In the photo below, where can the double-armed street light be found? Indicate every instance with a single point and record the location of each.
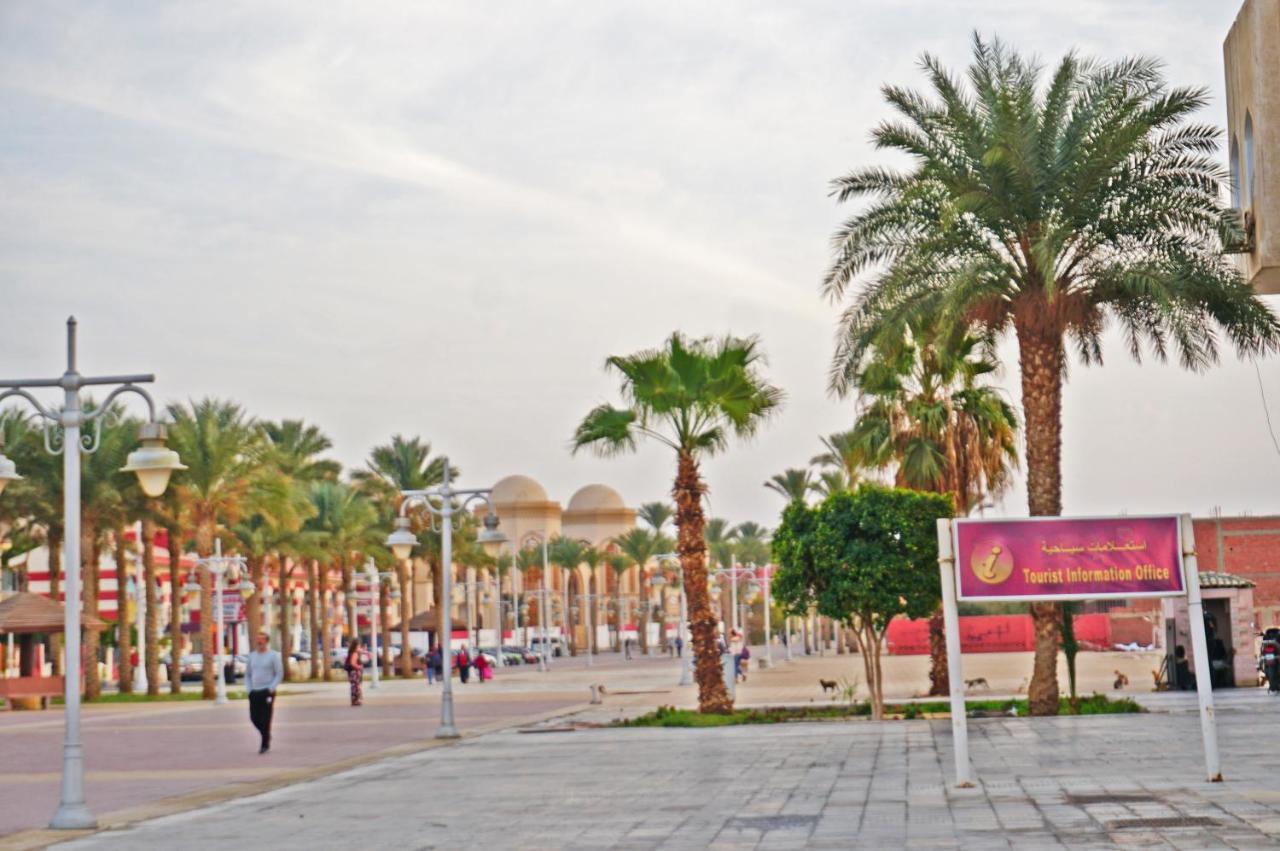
(544, 654)
(218, 565)
(443, 502)
(733, 572)
(152, 463)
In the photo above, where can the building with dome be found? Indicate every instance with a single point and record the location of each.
(595, 514)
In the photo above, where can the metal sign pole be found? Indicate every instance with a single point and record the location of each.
(955, 671)
(1200, 650)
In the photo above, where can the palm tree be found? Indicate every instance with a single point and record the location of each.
(636, 547)
(656, 514)
(924, 414)
(223, 449)
(1047, 211)
(831, 481)
(752, 543)
(792, 484)
(566, 554)
(344, 525)
(294, 450)
(842, 455)
(689, 395)
(407, 464)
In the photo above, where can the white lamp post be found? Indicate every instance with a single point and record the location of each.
(139, 585)
(440, 502)
(544, 656)
(217, 565)
(375, 605)
(686, 652)
(153, 464)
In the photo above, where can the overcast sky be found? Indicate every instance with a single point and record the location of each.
(440, 218)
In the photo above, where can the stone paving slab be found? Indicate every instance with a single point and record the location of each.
(1043, 783)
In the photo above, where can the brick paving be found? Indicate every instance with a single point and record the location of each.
(1098, 782)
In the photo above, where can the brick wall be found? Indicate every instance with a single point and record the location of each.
(1248, 547)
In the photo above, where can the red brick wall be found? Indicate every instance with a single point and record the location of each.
(1243, 546)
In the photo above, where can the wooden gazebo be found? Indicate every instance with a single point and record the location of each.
(27, 616)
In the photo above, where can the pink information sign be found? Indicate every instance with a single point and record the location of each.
(1068, 558)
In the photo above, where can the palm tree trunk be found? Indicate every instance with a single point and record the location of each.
(1041, 358)
(151, 622)
(384, 656)
(713, 697)
(253, 606)
(939, 678)
(124, 623)
(89, 604)
(406, 660)
(326, 640)
(313, 617)
(286, 616)
(208, 628)
(175, 609)
(54, 543)
(349, 599)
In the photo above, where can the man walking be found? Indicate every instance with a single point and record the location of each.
(262, 674)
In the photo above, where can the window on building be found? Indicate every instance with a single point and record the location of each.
(1247, 188)
(1235, 173)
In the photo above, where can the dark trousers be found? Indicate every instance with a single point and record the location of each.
(261, 707)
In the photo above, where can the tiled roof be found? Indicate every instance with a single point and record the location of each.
(24, 613)
(1223, 580)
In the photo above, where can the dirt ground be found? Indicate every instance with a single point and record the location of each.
(908, 676)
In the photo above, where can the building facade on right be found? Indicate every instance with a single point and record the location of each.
(1251, 56)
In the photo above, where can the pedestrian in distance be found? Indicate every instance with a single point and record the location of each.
(263, 673)
(355, 672)
(464, 664)
(482, 666)
(432, 665)
(679, 647)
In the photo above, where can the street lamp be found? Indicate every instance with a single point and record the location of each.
(153, 465)
(544, 657)
(439, 501)
(375, 605)
(733, 573)
(686, 652)
(217, 565)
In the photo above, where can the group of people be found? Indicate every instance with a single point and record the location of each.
(464, 662)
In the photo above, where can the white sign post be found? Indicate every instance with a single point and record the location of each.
(998, 571)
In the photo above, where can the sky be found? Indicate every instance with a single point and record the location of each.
(439, 219)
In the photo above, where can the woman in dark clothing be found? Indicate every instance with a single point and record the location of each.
(355, 672)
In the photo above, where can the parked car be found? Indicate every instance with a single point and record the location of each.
(417, 657)
(526, 655)
(338, 658)
(555, 644)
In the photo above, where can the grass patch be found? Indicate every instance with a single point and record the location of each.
(669, 716)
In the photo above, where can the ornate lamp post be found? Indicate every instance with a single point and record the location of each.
(686, 652)
(218, 565)
(152, 463)
(440, 501)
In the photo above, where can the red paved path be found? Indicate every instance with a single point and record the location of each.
(140, 754)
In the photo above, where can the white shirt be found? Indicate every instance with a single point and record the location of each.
(263, 671)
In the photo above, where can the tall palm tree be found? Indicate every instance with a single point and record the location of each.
(223, 449)
(1046, 211)
(566, 554)
(407, 464)
(831, 481)
(343, 527)
(793, 483)
(636, 548)
(691, 396)
(656, 514)
(752, 543)
(842, 455)
(925, 415)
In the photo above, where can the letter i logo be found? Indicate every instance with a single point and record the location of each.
(991, 561)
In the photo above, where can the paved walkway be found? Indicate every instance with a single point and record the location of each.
(150, 760)
(1097, 782)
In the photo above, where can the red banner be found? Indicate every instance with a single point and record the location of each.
(1068, 558)
(996, 634)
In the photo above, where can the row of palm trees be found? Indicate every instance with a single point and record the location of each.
(268, 492)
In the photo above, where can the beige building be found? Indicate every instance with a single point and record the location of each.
(1251, 55)
(595, 515)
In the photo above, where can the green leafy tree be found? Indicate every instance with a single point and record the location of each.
(636, 548)
(1046, 210)
(690, 396)
(862, 558)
